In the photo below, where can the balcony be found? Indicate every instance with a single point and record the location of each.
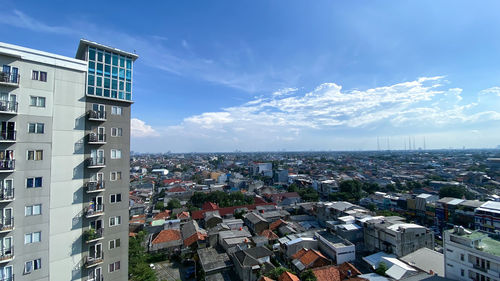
(97, 138)
(7, 166)
(6, 255)
(94, 186)
(94, 210)
(7, 195)
(8, 136)
(478, 267)
(6, 225)
(8, 107)
(9, 79)
(7, 278)
(97, 115)
(94, 278)
(93, 235)
(98, 162)
(91, 261)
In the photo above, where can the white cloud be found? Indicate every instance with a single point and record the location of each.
(139, 129)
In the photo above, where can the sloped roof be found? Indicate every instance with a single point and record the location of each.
(269, 234)
(348, 270)
(163, 215)
(327, 273)
(167, 236)
(228, 210)
(287, 276)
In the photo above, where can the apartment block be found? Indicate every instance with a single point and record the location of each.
(471, 255)
(64, 163)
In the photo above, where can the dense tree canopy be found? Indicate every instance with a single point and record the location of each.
(221, 198)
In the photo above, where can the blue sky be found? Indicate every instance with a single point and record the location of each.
(294, 75)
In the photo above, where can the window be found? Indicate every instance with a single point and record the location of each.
(116, 132)
(461, 257)
(115, 220)
(114, 198)
(114, 176)
(116, 154)
(43, 76)
(35, 155)
(116, 110)
(34, 182)
(462, 272)
(115, 243)
(37, 101)
(29, 266)
(32, 237)
(35, 75)
(33, 210)
(114, 266)
(36, 128)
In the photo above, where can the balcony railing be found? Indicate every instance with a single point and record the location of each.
(95, 278)
(6, 254)
(97, 115)
(478, 267)
(6, 195)
(94, 210)
(93, 260)
(95, 186)
(6, 224)
(9, 78)
(8, 106)
(7, 165)
(96, 162)
(8, 135)
(92, 234)
(97, 138)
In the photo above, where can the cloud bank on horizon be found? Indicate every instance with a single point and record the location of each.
(330, 118)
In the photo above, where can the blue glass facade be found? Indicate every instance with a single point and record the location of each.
(109, 75)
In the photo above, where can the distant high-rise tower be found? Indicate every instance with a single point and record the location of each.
(64, 163)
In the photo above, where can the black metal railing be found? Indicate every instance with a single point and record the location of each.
(97, 114)
(94, 210)
(6, 224)
(8, 77)
(94, 259)
(8, 135)
(6, 194)
(96, 161)
(93, 137)
(8, 106)
(94, 185)
(7, 165)
(6, 253)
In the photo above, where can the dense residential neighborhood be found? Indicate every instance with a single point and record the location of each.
(382, 215)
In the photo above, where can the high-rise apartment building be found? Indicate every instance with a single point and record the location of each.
(64, 163)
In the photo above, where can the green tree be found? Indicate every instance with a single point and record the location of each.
(381, 269)
(159, 206)
(173, 204)
(276, 272)
(308, 275)
(455, 191)
(138, 267)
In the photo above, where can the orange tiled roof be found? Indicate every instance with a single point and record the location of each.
(276, 224)
(264, 278)
(326, 273)
(309, 257)
(287, 276)
(162, 216)
(269, 234)
(132, 234)
(209, 206)
(299, 253)
(183, 215)
(167, 236)
(344, 269)
(193, 238)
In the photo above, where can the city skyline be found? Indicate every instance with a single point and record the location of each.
(269, 76)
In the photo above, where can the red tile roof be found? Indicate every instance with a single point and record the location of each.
(209, 206)
(167, 235)
(259, 200)
(171, 181)
(345, 268)
(183, 215)
(269, 234)
(276, 224)
(278, 197)
(311, 258)
(326, 273)
(162, 216)
(177, 189)
(193, 238)
(287, 276)
(197, 215)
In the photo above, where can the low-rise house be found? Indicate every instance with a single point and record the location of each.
(169, 240)
(212, 219)
(184, 216)
(274, 215)
(231, 238)
(292, 246)
(255, 222)
(213, 262)
(193, 235)
(288, 198)
(288, 276)
(309, 258)
(250, 263)
(233, 224)
(426, 260)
